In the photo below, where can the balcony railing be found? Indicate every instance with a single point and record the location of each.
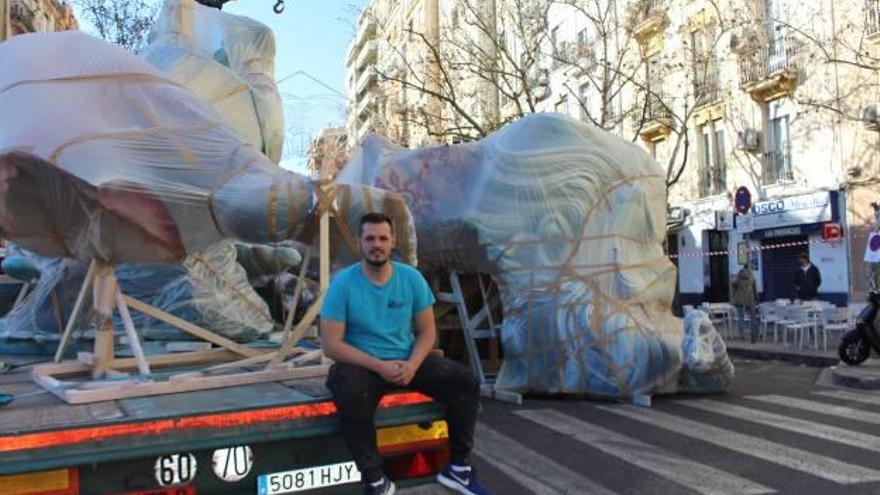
(708, 90)
(778, 167)
(647, 9)
(20, 11)
(779, 57)
(656, 110)
(654, 121)
(712, 180)
(872, 23)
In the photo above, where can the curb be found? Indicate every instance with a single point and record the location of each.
(850, 377)
(801, 358)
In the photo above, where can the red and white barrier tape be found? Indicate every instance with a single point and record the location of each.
(700, 254)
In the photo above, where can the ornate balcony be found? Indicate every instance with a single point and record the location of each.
(653, 121)
(770, 72)
(23, 13)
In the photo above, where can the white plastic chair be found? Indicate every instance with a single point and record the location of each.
(799, 320)
(834, 320)
(768, 315)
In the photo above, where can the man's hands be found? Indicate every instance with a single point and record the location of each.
(397, 372)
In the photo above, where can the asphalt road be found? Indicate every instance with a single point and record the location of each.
(776, 431)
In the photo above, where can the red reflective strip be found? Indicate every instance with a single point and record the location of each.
(222, 420)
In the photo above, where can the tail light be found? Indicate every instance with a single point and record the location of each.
(414, 451)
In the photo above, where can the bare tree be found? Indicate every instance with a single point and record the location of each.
(124, 22)
(481, 71)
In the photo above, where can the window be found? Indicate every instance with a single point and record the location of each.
(713, 163)
(779, 152)
(584, 103)
(453, 17)
(872, 24)
(584, 43)
(720, 170)
(562, 105)
(705, 72)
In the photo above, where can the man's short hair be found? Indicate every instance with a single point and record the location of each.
(375, 217)
(804, 256)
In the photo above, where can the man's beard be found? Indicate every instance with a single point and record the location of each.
(376, 263)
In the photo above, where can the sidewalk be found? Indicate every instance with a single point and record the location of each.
(865, 376)
(780, 352)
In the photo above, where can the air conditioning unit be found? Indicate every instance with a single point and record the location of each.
(871, 117)
(750, 140)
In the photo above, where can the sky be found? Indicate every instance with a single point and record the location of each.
(311, 39)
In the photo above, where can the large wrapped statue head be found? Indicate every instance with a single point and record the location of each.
(570, 222)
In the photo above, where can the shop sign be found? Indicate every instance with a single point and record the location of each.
(783, 232)
(794, 210)
(832, 231)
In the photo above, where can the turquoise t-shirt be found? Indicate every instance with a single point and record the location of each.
(378, 318)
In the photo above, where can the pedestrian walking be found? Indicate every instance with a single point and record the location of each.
(745, 297)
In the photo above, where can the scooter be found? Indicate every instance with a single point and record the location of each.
(856, 344)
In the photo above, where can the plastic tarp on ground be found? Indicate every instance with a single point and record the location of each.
(226, 60)
(103, 157)
(569, 220)
(208, 289)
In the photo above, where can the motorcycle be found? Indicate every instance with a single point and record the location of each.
(856, 344)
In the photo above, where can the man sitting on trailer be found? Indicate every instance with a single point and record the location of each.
(377, 323)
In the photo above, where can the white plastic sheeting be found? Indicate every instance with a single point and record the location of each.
(570, 221)
(103, 157)
(208, 289)
(228, 61)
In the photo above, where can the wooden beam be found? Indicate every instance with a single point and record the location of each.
(300, 283)
(68, 329)
(168, 360)
(298, 332)
(134, 341)
(189, 327)
(78, 396)
(65, 368)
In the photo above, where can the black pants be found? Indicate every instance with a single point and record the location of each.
(357, 391)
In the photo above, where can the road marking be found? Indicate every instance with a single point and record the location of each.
(541, 475)
(801, 426)
(694, 475)
(820, 407)
(864, 397)
(797, 459)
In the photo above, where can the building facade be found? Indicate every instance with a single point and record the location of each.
(746, 98)
(771, 106)
(37, 16)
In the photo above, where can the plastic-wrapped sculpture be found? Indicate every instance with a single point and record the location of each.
(569, 220)
(103, 157)
(208, 288)
(227, 61)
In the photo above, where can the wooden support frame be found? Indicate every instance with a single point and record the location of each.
(109, 382)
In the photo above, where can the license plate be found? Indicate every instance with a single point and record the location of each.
(300, 480)
(177, 490)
